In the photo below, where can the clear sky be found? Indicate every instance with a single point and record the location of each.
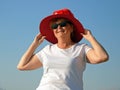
(19, 23)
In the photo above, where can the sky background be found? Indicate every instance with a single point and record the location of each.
(19, 24)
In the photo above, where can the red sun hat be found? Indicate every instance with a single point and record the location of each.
(46, 30)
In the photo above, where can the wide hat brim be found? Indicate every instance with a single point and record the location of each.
(45, 29)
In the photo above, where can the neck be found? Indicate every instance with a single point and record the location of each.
(64, 44)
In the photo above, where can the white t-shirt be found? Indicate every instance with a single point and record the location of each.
(63, 68)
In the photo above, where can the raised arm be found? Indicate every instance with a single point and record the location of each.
(97, 54)
(29, 61)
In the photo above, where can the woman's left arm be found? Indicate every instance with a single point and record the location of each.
(97, 54)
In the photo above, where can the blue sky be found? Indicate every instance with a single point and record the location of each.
(19, 23)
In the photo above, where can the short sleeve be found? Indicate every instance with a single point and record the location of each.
(87, 48)
(41, 54)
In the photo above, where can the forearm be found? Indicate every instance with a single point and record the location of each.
(97, 54)
(27, 55)
(98, 49)
(28, 60)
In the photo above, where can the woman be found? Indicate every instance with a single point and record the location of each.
(63, 61)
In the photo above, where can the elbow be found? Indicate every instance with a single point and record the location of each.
(105, 58)
(102, 59)
(20, 68)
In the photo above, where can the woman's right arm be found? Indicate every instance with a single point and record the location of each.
(29, 60)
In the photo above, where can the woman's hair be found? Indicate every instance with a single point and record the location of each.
(72, 36)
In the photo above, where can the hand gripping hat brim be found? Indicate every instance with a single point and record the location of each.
(45, 29)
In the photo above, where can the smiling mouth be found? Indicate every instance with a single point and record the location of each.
(60, 31)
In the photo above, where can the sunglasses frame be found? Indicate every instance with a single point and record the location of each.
(61, 24)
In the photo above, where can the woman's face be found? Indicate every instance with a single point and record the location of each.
(62, 28)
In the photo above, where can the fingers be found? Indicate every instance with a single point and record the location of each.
(87, 34)
(39, 35)
(86, 31)
(39, 38)
(81, 34)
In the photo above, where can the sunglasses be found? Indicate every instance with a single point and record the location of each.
(62, 24)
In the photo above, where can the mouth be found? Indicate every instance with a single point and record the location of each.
(60, 30)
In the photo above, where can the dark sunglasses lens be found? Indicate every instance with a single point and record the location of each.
(54, 26)
(63, 24)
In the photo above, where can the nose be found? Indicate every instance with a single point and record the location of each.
(58, 27)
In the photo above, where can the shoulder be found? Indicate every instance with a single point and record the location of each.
(48, 48)
(80, 45)
(83, 47)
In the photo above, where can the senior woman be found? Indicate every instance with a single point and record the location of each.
(64, 60)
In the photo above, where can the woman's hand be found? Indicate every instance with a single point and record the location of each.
(87, 34)
(38, 39)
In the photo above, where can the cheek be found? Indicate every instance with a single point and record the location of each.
(69, 30)
(54, 32)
